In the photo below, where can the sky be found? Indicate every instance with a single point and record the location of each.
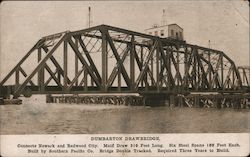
(224, 23)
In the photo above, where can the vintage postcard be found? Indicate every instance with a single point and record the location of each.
(124, 78)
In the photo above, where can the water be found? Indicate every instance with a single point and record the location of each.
(34, 116)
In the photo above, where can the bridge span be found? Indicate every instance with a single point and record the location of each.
(106, 59)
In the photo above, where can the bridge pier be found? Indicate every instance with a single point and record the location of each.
(157, 99)
(127, 100)
(236, 101)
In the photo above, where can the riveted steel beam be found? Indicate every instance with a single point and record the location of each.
(86, 52)
(117, 57)
(20, 62)
(40, 65)
(195, 68)
(83, 61)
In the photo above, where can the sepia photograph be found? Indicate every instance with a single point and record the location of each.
(124, 67)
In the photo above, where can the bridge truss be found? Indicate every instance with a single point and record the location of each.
(106, 59)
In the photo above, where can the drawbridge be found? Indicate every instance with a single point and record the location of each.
(105, 59)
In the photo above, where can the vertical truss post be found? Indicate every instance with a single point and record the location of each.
(222, 68)
(92, 82)
(157, 67)
(178, 68)
(85, 78)
(161, 66)
(195, 68)
(65, 64)
(198, 70)
(186, 68)
(168, 52)
(233, 80)
(246, 74)
(17, 78)
(41, 72)
(142, 64)
(243, 75)
(132, 63)
(104, 61)
(152, 68)
(119, 79)
(210, 70)
(59, 77)
(76, 63)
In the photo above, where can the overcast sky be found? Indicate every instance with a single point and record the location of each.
(224, 23)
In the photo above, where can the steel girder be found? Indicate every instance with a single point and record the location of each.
(110, 59)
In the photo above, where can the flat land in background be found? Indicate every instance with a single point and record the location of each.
(34, 116)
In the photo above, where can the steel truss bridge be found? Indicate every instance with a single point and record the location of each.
(106, 59)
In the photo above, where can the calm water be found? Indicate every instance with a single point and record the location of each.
(34, 116)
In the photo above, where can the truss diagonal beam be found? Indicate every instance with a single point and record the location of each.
(145, 67)
(114, 72)
(57, 65)
(25, 75)
(140, 64)
(20, 62)
(52, 75)
(90, 72)
(166, 64)
(40, 65)
(204, 78)
(86, 52)
(123, 70)
(75, 79)
(50, 78)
